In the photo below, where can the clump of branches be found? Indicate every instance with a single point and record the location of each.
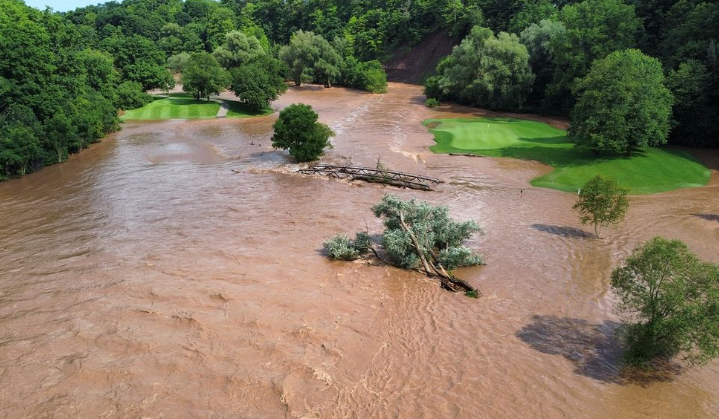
(416, 236)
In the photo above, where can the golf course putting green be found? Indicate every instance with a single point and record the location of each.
(650, 171)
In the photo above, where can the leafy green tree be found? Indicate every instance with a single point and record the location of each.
(602, 202)
(671, 302)
(311, 58)
(417, 236)
(139, 59)
(258, 82)
(59, 133)
(695, 116)
(594, 29)
(178, 62)
(238, 49)
(622, 104)
(539, 38)
(298, 131)
(532, 13)
(488, 71)
(131, 96)
(204, 76)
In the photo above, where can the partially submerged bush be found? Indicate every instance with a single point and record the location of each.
(343, 248)
(417, 236)
(432, 103)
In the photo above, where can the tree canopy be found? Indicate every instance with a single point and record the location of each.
(487, 71)
(203, 76)
(670, 300)
(622, 104)
(298, 131)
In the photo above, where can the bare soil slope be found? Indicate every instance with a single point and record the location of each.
(412, 64)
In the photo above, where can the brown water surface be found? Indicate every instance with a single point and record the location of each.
(145, 278)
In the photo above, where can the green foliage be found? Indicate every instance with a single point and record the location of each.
(203, 76)
(310, 57)
(695, 111)
(258, 82)
(671, 303)
(178, 62)
(238, 49)
(594, 29)
(343, 248)
(488, 71)
(602, 202)
(440, 238)
(622, 104)
(298, 131)
(432, 103)
(539, 38)
(131, 96)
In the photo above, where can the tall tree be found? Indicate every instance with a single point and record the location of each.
(622, 104)
(488, 71)
(595, 28)
(258, 82)
(311, 58)
(238, 49)
(204, 76)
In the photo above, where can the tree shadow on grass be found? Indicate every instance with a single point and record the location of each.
(594, 349)
(708, 217)
(561, 157)
(564, 231)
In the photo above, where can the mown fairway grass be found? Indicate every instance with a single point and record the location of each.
(184, 106)
(651, 171)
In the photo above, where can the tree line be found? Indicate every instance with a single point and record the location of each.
(630, 73)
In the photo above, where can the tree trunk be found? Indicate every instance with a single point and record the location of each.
(447, 281)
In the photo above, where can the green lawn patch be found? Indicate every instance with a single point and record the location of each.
(185, 106)
(651, 171)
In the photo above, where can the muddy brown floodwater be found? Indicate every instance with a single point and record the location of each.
(146, 279)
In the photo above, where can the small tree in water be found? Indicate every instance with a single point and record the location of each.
(298, 131)
(417, 236)
(602, 202)
(671, 299)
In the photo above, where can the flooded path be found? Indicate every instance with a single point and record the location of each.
(145, 278)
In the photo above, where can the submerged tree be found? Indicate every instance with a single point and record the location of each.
(298, 131)
(417, 236)
(671, 300)
(602, 202)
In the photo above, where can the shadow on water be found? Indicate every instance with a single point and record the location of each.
(708, 217)
(594, 349)
(564, 231)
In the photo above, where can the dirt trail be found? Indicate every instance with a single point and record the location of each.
(144, 278)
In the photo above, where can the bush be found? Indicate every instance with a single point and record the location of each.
(343, 248)
(432, 103)
(373, 77)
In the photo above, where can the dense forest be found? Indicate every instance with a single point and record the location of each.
(64, 76)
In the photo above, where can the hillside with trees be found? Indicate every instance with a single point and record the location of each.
(64, 76)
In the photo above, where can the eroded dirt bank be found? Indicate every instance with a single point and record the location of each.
(144, 278)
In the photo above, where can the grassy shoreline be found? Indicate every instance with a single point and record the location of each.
(651, 171)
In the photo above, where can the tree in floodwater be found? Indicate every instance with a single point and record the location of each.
(298, 131)
(602, 202)
(671, 300)
(416, 236)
